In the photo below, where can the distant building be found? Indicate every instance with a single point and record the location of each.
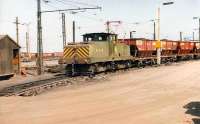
(9, 56)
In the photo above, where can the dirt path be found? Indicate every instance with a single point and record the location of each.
(146, 96)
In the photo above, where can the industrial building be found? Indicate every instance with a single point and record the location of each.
(9, 56)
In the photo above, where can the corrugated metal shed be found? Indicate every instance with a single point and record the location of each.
(9, 55)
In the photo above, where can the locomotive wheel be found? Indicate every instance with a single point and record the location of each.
(113, 66)
(108, 67)
(128, 64)
(92, 71)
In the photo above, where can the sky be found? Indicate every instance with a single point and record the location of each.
(174, 18)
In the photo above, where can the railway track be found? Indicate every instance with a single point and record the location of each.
(35, 87)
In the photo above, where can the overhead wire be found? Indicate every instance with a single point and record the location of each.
(65, 3)
(80, 3)
(49, 4)
(91, 18)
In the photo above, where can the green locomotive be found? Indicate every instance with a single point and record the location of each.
(97, 53)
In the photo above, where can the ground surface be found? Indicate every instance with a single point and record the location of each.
(22, 79)
(46, 63)
(146, 96)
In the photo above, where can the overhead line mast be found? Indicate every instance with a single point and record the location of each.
(63, 30)
(17, 38)
(39, 63)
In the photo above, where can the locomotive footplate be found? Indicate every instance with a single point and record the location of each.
(79, 70)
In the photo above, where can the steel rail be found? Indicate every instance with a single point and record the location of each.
(34, 87)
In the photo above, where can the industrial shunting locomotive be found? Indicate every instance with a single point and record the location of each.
(97, 53)
(101, 52)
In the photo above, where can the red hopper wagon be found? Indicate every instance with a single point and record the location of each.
(185, 47)
(169, 47)
(141, 47)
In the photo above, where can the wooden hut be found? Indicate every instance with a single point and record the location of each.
(9, 56)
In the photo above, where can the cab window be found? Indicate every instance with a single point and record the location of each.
(99, 37)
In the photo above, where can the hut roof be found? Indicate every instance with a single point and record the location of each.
(6, 36)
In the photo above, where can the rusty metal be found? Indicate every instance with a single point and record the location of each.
(185, 47)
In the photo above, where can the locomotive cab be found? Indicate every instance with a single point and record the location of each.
(104, 37)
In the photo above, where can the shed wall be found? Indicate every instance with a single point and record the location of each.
(6, 56)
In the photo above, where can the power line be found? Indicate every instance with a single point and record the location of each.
(64, 10)
(80, 3)
(56, 4)
(72, 12)
(92, 18)
(51, 4)
(70, 2)
(65, 3)
(54, 7)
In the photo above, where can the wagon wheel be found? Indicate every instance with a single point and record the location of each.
(139, 64)
(152, 62)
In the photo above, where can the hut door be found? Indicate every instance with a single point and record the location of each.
(15, 60)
